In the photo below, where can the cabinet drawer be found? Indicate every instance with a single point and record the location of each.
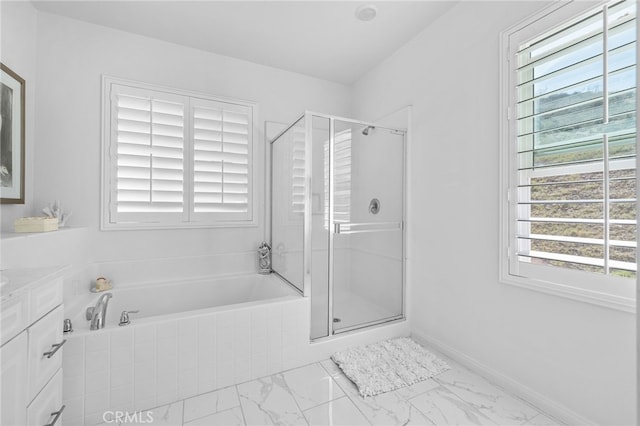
(44, 335)
(13, 381)
(44, 297)
(14, 317)
(47, 405)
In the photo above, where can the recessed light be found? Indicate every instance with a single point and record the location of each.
(366, 12)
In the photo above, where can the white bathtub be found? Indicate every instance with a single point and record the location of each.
(184, 298)
(189, 338)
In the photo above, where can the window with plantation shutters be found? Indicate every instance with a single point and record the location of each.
(174, 159)
(149, 134)
(221, 158)
(570, 151)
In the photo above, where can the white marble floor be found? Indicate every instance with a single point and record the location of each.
(319, 394)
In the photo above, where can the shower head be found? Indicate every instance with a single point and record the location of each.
(366, 130)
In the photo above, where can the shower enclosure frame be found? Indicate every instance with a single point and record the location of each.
(307, 229)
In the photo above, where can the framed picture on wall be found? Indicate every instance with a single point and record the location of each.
(12, 127)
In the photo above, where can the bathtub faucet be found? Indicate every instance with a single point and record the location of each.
(98, 314)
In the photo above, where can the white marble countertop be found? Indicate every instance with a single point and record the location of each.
(14, 282)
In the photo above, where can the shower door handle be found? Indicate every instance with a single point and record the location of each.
(357, 228)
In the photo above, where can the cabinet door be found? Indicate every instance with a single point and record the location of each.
(13, 381)
(13, 317)
(44, 335)
(48, 404)
(44, 297)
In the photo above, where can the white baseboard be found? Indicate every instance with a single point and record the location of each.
(552, 408)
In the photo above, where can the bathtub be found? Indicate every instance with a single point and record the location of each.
(190, 337)
(163, 301)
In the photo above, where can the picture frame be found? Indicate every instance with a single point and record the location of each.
(12, 136)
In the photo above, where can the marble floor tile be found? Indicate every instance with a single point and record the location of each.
(311, 385)
(268, 401)
(440, 406)
(167, 415)
(488, 399)
(320, 394)
(210, 403)
(339, 412)
(385, 409)
(542, 420)
(331, 367)
(230, 417)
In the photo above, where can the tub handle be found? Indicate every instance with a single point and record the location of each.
(124, 317)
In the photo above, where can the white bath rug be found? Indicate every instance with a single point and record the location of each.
(388, 365)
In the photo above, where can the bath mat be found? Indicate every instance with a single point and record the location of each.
(388, 365)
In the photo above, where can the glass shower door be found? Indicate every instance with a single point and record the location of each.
(366, 217)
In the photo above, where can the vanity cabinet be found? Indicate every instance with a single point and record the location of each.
(14, 385)
(32, 316)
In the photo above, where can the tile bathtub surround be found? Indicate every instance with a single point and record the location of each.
(319, 394)
(141, 366)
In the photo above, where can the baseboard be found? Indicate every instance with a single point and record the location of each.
(550, 407)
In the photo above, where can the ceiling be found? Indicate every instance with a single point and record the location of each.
(317, 38)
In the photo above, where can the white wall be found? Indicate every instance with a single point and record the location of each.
(18, 23)
(579, 356)
(73, 55)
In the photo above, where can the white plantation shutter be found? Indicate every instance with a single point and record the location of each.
(175, 160)
(148, 143)
(298, 170)
(572, 205)
(222, 135)
(341, 178)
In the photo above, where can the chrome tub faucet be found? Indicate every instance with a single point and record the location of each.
(98, 314)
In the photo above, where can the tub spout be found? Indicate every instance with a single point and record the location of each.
(98, 314)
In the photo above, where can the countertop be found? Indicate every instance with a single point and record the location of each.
(14, 282)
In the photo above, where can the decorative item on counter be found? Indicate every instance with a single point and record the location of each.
(56, 210)
(102, 284)
(36, 224)
(264, 258)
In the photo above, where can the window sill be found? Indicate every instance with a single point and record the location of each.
(153, 226)
(616, 302)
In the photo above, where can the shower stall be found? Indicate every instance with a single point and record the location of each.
(337, 220)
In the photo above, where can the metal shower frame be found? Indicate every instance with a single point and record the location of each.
(333, 229)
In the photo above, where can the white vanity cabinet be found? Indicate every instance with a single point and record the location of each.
(31, 348)
(14, 385)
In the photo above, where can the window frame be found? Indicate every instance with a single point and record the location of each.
(193, 220)
(608, 291)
